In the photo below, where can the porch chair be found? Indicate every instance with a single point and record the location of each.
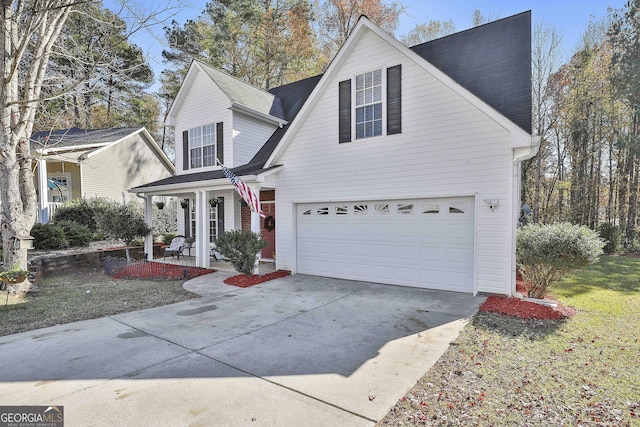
(175, 248)
(212, 252)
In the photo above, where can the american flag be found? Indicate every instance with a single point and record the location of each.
(245, 192)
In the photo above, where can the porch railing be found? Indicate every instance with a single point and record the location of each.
(53, 207)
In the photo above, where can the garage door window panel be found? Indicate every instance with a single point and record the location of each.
(430, 209)
(360, 209)
(382, 209)
(405, 209)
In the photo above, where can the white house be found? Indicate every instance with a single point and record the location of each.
(397, 165)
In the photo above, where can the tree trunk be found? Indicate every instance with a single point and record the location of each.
(19, 94)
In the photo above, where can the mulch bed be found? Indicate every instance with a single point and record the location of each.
(525, 309)
(158, 270)
(244, 281)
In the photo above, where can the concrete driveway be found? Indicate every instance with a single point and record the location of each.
(300, 350)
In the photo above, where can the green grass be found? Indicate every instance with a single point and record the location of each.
(582, 371)
(81, 296)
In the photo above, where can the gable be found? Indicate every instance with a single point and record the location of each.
(392, 49)
(110, 172)
(230, 90)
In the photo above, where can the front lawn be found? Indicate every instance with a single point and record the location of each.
(504, 371)
(84, 295)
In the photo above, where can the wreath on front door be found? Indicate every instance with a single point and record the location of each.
(269, 223)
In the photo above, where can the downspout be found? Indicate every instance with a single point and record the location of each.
(520, 154)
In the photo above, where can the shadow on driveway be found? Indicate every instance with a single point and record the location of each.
(327, 339)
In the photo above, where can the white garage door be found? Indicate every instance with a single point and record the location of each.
(425, 243)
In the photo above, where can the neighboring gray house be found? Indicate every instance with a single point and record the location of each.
(78, 163)
(397, 165)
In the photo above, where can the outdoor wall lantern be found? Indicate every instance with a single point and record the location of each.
(184, 203)
(23, 242)
(492, 203)
(160, 205)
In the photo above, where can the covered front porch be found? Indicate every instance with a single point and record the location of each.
(204, 214)
(264, 266)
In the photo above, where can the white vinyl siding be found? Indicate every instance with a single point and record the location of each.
(447, 148)
(249, 135)
(111, 172)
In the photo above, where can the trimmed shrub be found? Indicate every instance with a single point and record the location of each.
(85, 212)
(241, 247)
(611, 234)
(546, 253)
(49, 236)
(76, 234)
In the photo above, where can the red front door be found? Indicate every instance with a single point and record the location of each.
(269, 234)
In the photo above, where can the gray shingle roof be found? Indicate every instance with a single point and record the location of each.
(76, 137)
(244, 94)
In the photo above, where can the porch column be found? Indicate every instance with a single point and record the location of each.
(256, 226)
(43, 191)
(148, 219)
(202, 229)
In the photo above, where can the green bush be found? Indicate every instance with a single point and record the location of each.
(633, 247)
(76, 234)
(49, 236)
(82, 211)
(546, 253)
(85, 212)
(611, 234)
(241, 247)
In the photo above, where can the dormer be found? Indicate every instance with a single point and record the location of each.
(215, 115)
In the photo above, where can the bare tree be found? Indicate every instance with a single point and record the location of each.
(337, 18)
(428, 31)
(546, 59)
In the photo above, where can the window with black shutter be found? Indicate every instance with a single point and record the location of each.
(362, 105)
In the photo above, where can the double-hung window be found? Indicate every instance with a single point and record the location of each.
(202, 146)
(369, 104)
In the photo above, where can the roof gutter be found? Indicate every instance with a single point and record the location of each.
(525, 153)
(262, 116)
